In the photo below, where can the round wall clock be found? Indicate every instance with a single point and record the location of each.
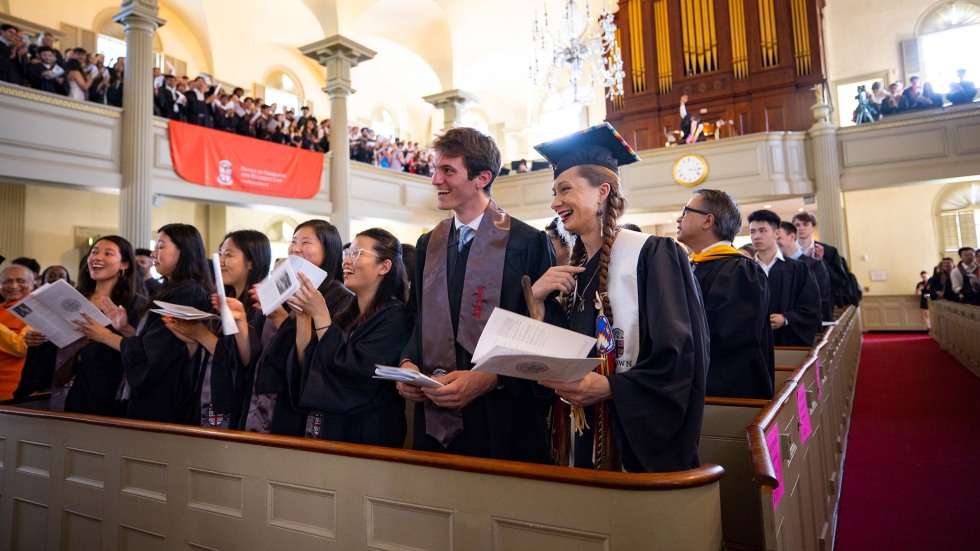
(690, 170)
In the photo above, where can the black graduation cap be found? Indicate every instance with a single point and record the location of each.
(600, 145)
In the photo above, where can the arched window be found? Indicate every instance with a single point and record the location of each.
(948, 39)
(280, 232)
(385, 123)
(283, 89)
(959, 216)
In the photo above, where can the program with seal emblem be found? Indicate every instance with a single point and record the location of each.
(518, 346)
(51, 310)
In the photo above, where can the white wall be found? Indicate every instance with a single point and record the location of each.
(893, 230)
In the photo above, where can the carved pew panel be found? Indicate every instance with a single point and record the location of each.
(83, 482)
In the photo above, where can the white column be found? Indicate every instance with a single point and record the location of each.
(339, 54)
(136, 196)
(826, 174)
(452, 103)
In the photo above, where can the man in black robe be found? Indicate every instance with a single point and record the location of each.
(786, 241)
(736, 298)
(475, 414)
(794, 294)
(841, 291)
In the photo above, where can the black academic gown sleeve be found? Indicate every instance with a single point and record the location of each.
(736, 302)
(338, 379)
(509, 422)
(839, 282)
(157, 365)
(288, 418)
(822, 275)
(659, 403)
(98, 371)
(796, 297)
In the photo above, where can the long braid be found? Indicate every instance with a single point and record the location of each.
(577, 258)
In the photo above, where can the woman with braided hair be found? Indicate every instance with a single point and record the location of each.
(641, 409)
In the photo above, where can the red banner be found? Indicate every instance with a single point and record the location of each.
(224, 160)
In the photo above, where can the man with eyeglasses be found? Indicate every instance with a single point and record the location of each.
(736, 298)
(467, 266)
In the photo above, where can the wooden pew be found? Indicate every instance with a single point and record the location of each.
(723, 443)
(805, 516)
(956, 328)
(87, 482)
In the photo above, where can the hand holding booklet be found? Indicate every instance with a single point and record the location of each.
(228, 326)
(180, 311)
(518, 346)
(403, 375)
(282, 283)
(51, 310)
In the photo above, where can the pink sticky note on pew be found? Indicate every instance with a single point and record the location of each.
(772, 442)
(803, 406)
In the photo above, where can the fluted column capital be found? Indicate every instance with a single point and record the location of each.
(339, 55)
(139, 14)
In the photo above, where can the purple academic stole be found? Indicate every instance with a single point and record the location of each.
(481, 294)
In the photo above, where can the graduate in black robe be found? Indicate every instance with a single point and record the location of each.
(736, 298)
(796, 297)
(501, 417)
(743, 363)
(84, 376)
(159, 375)
(790, 249)
(273, 406)
(794, 294)
(657, 405)
(648, 393)
(98, 372)
(223, 375)
(336, 367)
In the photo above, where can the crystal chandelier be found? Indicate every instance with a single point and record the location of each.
(586, 54)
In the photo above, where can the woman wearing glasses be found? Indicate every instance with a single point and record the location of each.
(337, 349)
(274, 407)
(641, 409)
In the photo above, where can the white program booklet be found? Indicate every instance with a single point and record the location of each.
(51, 310)
(403, 375)
(228, 326)
(180, 311)
(518, 346)
(282, 283)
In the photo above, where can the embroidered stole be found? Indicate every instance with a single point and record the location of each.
(481, 294)
(623, 293)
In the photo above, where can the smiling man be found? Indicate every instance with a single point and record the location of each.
(467, 266)
(16, 282)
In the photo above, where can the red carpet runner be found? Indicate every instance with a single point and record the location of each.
(911, 475)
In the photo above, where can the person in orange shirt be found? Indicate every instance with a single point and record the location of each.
(16, 282)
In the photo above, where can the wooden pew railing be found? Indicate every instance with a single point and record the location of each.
(956, 327)
(71, 481)
(793, 506)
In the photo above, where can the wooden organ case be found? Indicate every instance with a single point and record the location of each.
(752, 62)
